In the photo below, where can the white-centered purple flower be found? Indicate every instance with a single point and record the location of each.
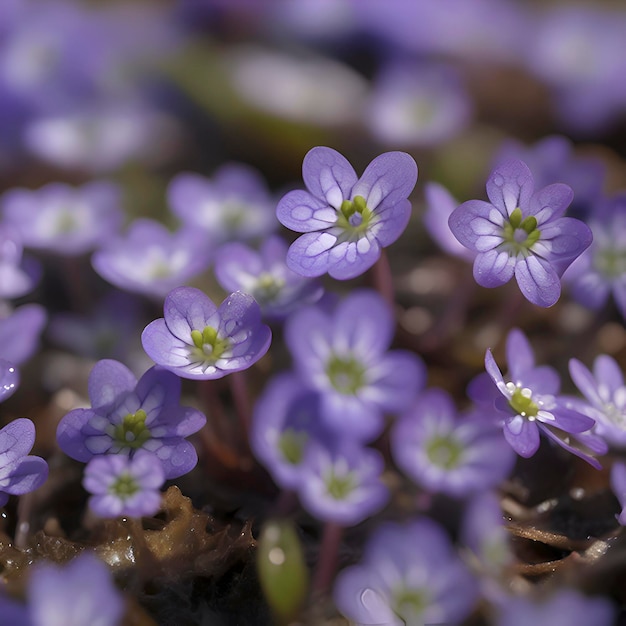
(19, 472)
(123, 486)
(346, 220)
(528, 404)
(18, 274)
(409, 574)
(265, 276)
(151, 260)
(521, 232)
(63, 219)
(345, 356)
(127, 415)
(341, 482)
(445, 453)
(605, 392)
(197, 339)
(234, 204)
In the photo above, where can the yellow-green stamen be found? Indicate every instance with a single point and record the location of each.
(132, 431)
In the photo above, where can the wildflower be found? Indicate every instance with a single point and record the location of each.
(196, 339)
(529, 403)
(20, 332)
(521, 232)
(18, 274)
(19, 472)
(63, 219)
(151, 260)
(121, 485)
(447, 454)
(265, 276)
(346, 220)
(9, 379)
(409, 574)
(345, 357)
(127, 415)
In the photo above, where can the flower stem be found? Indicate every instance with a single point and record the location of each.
(241, 400)
(382, 278)
(328, 557)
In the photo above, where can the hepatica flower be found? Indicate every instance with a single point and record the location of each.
(345, 357)
(127, 415)
(346, 220)
(521, 232)
(197, 339)
(19, 472)
(18, 274)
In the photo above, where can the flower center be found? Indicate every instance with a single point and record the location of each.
(521, 401)
(66, 223)
(610, 262)
(291, 444)
(346, 374)
(124, 486)
(410, 603)
(207, 345)
(354, 217)
(267, 288)
(520, 234)
(340, 485)
(444, 452)
(132, 432)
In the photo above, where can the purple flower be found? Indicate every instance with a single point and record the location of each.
(522, 232)
(409, 574)
(286, 419)
(342, 483)
(18, 275)
(606, 397)
(64, 219)
(265, 276)
(78, 593)
(127, 415)
(345, 357)
(196, 339)
(20, 332)
(563, 608)
(618, 487)
(448, 454)
(600, 271)
(234, 204)
(346, 220)
(121, 485)
(19, 472)
(151, 260)
(9, 379)
(528, 404)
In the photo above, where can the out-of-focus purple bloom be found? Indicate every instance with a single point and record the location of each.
(606, 394)
(151, 260)
(265, 276)
(20, 332)
(235, 204)
(341, 483)
(345, 357)
(521, 232)
(439, 207)
(529, 403)
(18, 275)
(286, 419)
(127, 415)
(9, 379)
(346, 220)
(120, 485)
(554, 160)
(19, 472)
(63, 219)
(196, 339)
(13, 612)
(413, 105)
(409, 574)
(618, 486)
(563, 608)
(76, 594)
(448, 454)
(601, 269)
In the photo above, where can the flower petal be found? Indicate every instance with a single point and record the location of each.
(538, 281)
(493, 268)
(328, 175)
(304, 213)
(510, 186)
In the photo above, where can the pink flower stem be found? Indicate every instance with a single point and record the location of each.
(382, 278)
(328, 558)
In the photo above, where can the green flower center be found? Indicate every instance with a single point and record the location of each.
(207, 345)
(521, 401)
(444, 452)
(610, 262)
(354, 217)
(66, 223)
(267, 288)
(291, 445)
(410, 603)
(124, 486)
(132, 431)
(520, 235)
(346, 374)
(339, 484)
